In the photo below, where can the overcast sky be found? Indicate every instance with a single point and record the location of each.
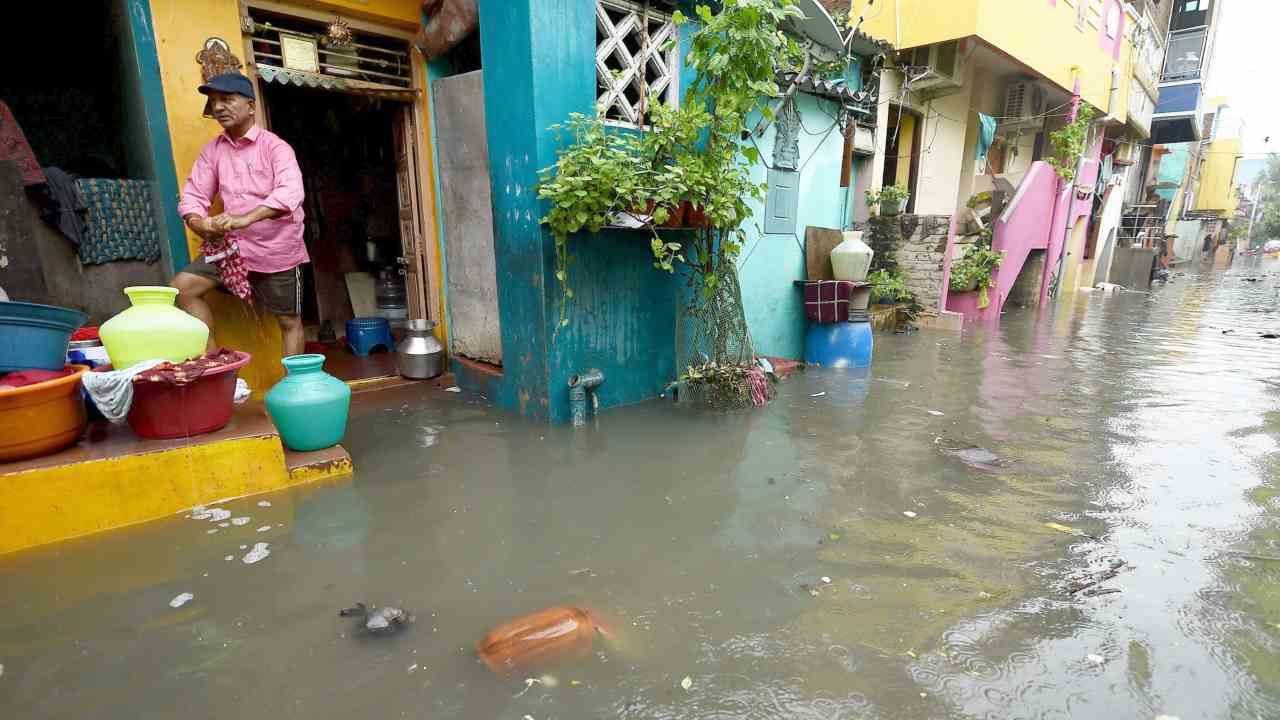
(1244, 72)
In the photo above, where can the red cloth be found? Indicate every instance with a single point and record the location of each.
(14, 148)
(827, 301)
(89, 332)
(23, 378)
(189, 371)
(224, 253)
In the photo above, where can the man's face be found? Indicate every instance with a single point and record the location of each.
(230, 109)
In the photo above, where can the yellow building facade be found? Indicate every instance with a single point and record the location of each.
(1057, 39)
(1217, 192)
(182, 28)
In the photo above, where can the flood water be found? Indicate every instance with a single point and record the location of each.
(768, 557)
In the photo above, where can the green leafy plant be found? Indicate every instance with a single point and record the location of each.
(894, 194)
(975, 269)
(690, 154)
(888, 287)
(1068, 143)
(979, 200)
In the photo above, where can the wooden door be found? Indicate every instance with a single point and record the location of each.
(412, 260)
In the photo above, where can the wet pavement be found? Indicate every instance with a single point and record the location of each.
(849, 552)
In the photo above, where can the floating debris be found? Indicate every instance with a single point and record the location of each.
(1068, 530)
(264, 503)
(259, 551)
(229, 558)
(975, 457)
(264, 528)
(455, 388)
(379, 621)
(819, 394)
(686, 683)
(1095, 659)
(1117, 566)
(937, 413)
(825, 579)
(908, 513)
(218, 514)
(243, 520)
(181, 599)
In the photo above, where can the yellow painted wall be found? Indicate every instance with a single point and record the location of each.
(906, 140)
(181, 27)
(1217, 191)
(1033, 32)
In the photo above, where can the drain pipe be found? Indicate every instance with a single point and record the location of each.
(581, 386)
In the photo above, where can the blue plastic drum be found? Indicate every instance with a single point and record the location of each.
(839, 345)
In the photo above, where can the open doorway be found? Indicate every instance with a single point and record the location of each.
(345, 148)
(348, 109)
(902, 151)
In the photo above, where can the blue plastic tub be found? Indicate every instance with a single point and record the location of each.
(35, 337)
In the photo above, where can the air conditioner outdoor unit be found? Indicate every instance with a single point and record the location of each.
(1024, 106)
(934, 70)
(864, 140)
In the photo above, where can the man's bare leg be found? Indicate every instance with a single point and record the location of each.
(191, 291)
(292, 334)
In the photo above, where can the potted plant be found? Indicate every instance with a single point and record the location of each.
(888, 288)
(890, 199)
(974, 272)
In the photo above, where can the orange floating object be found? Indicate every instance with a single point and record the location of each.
(546, 635)
(43, 418)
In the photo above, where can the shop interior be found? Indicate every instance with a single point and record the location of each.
(344, 145)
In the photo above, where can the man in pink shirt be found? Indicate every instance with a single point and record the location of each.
(257, 177)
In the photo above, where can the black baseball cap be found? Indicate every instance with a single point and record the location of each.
(228, 83)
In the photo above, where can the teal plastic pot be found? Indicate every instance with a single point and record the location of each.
(309, 406)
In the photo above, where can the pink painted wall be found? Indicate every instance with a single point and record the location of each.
(1021, 228)
(1112, 45)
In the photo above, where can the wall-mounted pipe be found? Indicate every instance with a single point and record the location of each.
(581, 387)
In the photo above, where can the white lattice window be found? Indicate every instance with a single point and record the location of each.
(633, 60)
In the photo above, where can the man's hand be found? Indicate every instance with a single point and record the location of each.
(203, 227)
(226, 222)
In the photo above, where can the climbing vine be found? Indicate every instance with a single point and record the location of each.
(1068, 144)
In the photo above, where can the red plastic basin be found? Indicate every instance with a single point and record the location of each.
(162, 411)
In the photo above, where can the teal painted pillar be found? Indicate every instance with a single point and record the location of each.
(539, 66)
(149, 102)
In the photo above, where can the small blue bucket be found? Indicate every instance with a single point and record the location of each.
(35, 337)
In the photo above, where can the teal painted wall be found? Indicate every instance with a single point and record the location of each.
(539, 65)
(1172, 170)
(770, 263)
(147, 125)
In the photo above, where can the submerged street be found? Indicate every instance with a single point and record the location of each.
(830, 556)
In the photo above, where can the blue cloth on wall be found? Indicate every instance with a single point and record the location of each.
(986, 136)
(121, 221)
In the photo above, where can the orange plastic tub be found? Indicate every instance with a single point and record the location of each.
(41, 419)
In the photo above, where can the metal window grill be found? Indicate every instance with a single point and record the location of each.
(370, 63)
(633, 61)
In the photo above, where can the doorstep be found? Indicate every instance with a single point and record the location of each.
(112, 478)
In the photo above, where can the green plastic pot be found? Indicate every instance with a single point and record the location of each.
(309, 406)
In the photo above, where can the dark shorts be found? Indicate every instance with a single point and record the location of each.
(279, 293)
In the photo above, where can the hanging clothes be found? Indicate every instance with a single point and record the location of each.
(15, 148)
(64, 207)
(986, 136)
(224, 253)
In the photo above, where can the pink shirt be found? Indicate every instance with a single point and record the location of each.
(258, 169)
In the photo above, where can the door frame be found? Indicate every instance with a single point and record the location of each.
(429, 274)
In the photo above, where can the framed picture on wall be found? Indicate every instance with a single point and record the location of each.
(298, 52)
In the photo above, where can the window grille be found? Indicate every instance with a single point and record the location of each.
(633, 60)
